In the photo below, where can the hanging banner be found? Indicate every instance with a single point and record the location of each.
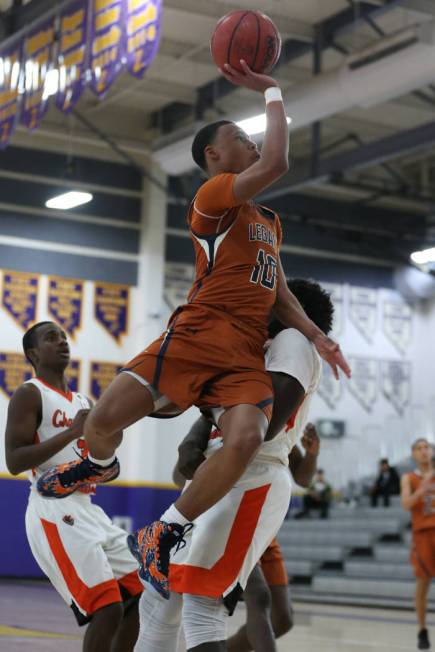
(364, 382)
(20, 297)
(72, 55)
(330, 390)
(363, 309)
(111, 308)
(143, 34)
(397, 325)
(337, 297)
(101, 375)
(178, 281)
(107, 43)
(38, 57)
(73, 375)
(396, 383)
(10, 79)
(65, 301)
(14, 371)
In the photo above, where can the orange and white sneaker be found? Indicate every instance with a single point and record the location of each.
(62, 480)
(151, 546)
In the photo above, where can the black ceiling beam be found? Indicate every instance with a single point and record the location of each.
(169, 118)
(376, 153)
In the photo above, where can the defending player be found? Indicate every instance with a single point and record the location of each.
(418, 496)
(212, 353)
(208, 575)
(82, 552)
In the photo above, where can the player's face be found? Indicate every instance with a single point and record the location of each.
(422, 452)
(236, 151)
(53, 349)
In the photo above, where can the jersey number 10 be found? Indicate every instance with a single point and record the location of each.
(264, 271)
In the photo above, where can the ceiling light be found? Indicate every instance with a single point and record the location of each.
(424, 257)
(69, 200)
(255, 125)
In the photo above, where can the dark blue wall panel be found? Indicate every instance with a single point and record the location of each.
(28, 161)
(26, 193)
(69, 232)
(69, 265)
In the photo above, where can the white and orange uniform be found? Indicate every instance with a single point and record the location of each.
(84, 555)
(228, 540)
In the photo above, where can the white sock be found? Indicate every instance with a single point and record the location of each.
(172, 515)
(107, 462)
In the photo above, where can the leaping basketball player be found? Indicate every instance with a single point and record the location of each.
(212, 352)
(418, 496)
(81, 551)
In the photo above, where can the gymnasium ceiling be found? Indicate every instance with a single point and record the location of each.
(136, 114)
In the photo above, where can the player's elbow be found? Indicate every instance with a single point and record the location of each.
(12, 465)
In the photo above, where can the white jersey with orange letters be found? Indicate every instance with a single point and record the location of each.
(84, 555)
(228, 540)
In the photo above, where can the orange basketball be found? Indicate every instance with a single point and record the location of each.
(248, 35)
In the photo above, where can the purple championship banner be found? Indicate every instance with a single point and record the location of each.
(72, 55)
(111, 308)
(101, 375)
(20, 297)
(14, 371)
(65, 301)
(38, 56)
(108, 43)
(10, 78)
(143, 34)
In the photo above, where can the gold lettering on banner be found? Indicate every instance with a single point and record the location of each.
(138, 21)
(68, 41)
(70, 23)
(106, 41)
(14, 371)
(134, 4)
(108, 18)
(41, 40)
(102, 4)
(74, 58)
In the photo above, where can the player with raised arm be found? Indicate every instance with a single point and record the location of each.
(212, 352)
(208, 575)
(84, 555)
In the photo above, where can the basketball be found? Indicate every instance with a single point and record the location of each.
(248, 35)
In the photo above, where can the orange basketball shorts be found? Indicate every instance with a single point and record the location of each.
(273, 566)
(207, 361)
(423, 553)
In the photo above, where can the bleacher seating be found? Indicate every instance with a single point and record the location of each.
(359, 555)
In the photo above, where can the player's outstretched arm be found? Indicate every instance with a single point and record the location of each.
(22, 453)
(273, 161)
(289, 312)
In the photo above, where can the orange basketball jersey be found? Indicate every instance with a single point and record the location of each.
(236, 248)
(423, 513)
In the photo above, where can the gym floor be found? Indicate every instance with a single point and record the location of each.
(34, 618)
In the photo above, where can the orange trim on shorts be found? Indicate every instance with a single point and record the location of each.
(131, 583)
(184, 578)
(273, 566)
(88, 598)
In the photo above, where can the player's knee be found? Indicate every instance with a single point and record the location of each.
(246, 441)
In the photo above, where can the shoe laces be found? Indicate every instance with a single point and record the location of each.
(80, 471)
(170, 539)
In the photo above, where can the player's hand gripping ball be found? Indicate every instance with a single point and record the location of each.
(247, 35)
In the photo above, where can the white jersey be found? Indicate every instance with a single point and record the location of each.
(289, 353)
(58, 410)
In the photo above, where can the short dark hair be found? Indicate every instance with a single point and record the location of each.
(204, 137)
(30, 338)
(384, 460)
(314, 300)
